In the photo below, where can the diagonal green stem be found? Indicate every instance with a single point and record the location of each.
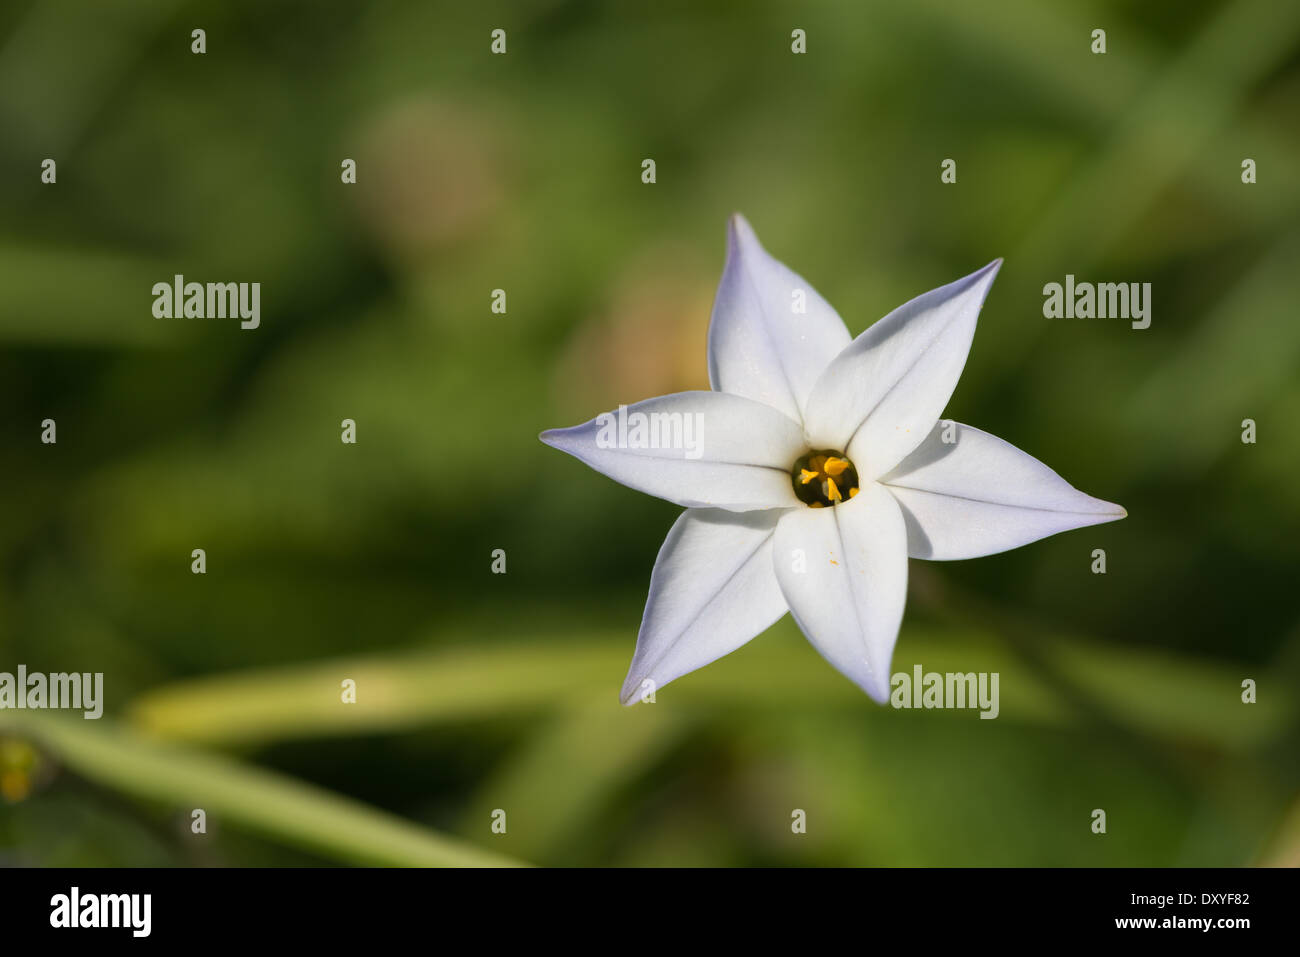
(261, 801)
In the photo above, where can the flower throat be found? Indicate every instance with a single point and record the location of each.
(824, 477)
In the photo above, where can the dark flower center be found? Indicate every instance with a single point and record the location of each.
(824, 477)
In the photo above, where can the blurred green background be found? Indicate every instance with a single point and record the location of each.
(372, 561)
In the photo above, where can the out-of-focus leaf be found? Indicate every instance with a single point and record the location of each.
(1156, 693)
(1284, 849)
(39, 305)
(557, 784)
(261, 801)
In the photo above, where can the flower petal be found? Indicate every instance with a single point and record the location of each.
(843, 571)
(693, 448)
(879, 398)
(712, 590)
(979, 495)
(760, 345)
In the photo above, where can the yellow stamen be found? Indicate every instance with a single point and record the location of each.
(835, 466)
(817, 505)
(832, 490)
(805, 476)
(854, 491)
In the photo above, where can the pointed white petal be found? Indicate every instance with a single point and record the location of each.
(843, 571)
(716, 450)
(712, 590)
(760, 345)
(980, 495)
(879, 398)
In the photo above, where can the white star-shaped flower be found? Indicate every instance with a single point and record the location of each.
(813, 470)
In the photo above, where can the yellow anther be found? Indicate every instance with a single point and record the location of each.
(854, 491)
(832, 490)
(805, 476)
(817, 505)
(835, 466)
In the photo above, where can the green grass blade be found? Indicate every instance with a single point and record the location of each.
(260, 801)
